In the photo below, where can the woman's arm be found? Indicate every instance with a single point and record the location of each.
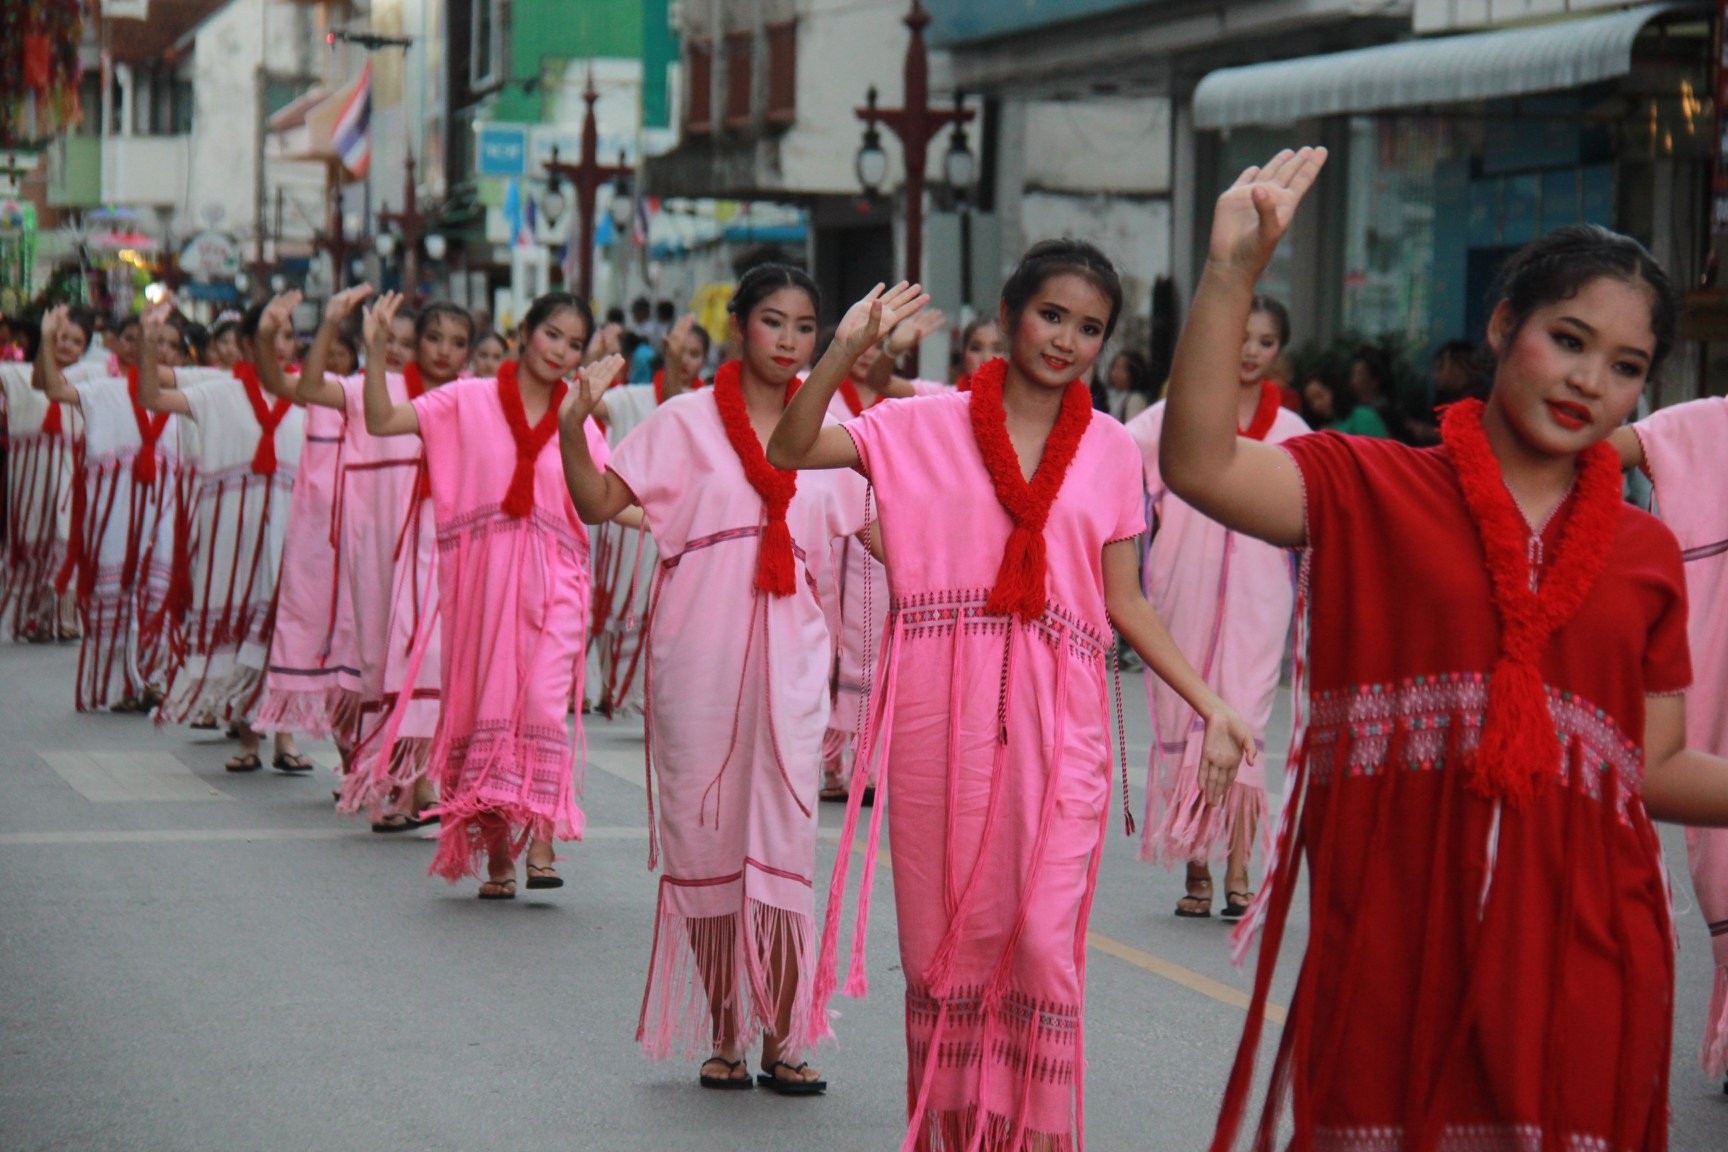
(1627, 443)
(315, 387)
(46, 375)
(1681, 785)
(1243, 484)
(799, 440)
(151, 394)
(1229, 740)
(598, 496)
(384, 417)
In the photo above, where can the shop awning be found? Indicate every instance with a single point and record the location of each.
(1421, 73)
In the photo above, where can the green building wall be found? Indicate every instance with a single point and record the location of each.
(562, 30)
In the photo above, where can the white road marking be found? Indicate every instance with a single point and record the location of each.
(130, 777)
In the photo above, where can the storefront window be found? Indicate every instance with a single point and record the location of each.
(1397, 172)
(1238, 149)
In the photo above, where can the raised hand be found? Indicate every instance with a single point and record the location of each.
(379, 317)
(342, 305)
(912, 333)
(277, 313)
(673, 344)
(591, 383)
(1228, 745)
(155, 317)
(606, 341)
(879, 311)
(1254, 213)
(52, 322)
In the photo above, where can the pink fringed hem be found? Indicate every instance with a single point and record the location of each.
(677, 1014)
(1190, 829)
(474, 815)
(958, 1132)
(1715, 1052)
(380, 785)
(304, 712)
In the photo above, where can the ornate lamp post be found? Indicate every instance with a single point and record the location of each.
(916, 124)
(412, 223)
(586, 176)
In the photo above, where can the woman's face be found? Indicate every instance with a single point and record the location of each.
(779, 336)
(225, 349)
(1060, 332)
(554, 349)
(126, 345)
(1573, 371)
(442, 349)
(866, 361)
(488, 354)
(342, 360)
(1318, 398)
(400, 349)
(987, 343)
(168, 353)
(1120, 376)
(1260, 347)
(69, 345)
(692, 357)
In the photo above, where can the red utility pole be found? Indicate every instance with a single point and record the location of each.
(586, 176)
(916, 124)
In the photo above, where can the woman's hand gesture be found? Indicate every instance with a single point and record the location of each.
(880, 311)
(342, 305)
(1228, 745)
(379, 318)
(52, 321)
(909, 335)
(277, 313)
(591, 383)
(1254, 213)
(155, 318)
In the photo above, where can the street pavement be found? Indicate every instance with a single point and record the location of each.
(192, 960)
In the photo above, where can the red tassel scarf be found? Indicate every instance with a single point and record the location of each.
(854, 402)
(530, 441)
(776, 572)
(53, 424)
(1266, 414)
(1520, 752)
(1020, 581)
(268, 415)
(416, 385)
(150, 426)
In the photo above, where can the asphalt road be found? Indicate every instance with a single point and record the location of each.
(195, 960)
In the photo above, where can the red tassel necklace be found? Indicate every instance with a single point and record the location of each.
(1020, 581)
(413, 381)
(776, 573)
(854, 402)
(530, 441)
(1520, 752)
(53, 424)
(150, 426)
(269, 417)
(1266, 414)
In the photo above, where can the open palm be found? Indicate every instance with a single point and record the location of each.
(1255, 211)
(591, 383)
(878, 312)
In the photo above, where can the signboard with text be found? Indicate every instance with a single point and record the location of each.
(501, 149)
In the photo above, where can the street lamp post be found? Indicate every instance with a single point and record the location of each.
(916, 124)
(586, 176)
(412, 222)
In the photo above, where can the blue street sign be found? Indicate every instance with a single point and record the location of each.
(501, 150)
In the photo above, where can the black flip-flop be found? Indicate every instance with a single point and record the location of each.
(507, 886)
(1235, 909)
(724, 1083)
(292, 763)
(245, 762)
(396, 823)
(786, 1087)
(552, 881)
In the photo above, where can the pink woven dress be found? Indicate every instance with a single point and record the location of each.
(306, 657)
(1227, 600)
(991, 736)
(514, 599)
(737, 704)
(1683, 448)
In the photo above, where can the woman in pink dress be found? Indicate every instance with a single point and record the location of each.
(1229, 599)
(743, 551)
(991, 725)
(513, 580)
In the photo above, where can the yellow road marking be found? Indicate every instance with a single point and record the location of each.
(1177, 974)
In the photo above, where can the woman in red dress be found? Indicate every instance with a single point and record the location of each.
(1492, 717)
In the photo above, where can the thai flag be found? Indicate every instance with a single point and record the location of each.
(352, 137)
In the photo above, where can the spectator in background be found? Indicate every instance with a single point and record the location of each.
(642, 320)
(1127, 388)
(1328, 406)
(1371, 386)
(1456, 373)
